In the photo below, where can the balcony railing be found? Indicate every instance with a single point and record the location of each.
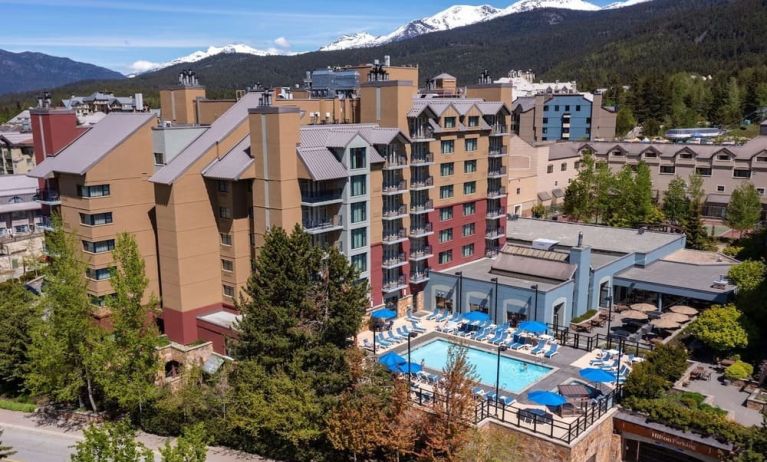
(421, 253)
(394, 262)
(322, 225)
(395, 238)
(426, 207)
(492, 252)
(395, 188)
(497, 151)
(421, 183)
(394, 213)
(496, 193)
(422, 133)
(47, 197)
(419, 276)
(499, 129)
(395, 162)
(422, 159)
(394, 285)
(497, 172)
(494, 233)
(496, 213)
(422, 231)
(315, 199)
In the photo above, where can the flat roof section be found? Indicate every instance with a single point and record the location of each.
(223, 319)
(605, 238)
(680, 276)
(480, 270)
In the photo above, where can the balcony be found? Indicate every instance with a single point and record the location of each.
(394, 285)
(394, 213)
(394, 188)
(494, 214)
(494, 234)
(492, 252)
(423, 253)
(44, 225)
(421, 231)
(497, 172)
(395, 238)
(423, 159)
(322, 225)
(394, 262)
(421, 183)
(499, 129)
(321, 198)
(497, 151)
(422, 208)
(47, 197)
(419, 277)
(496, 193)
(422, 133)
(395, 162)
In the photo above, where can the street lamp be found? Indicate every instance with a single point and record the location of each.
(495, 294)
(409, 336)
(618, 372)
(498, 373)
(460, 290)
(609, 300)
(535, 288)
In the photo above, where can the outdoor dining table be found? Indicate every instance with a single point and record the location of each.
(536, 415)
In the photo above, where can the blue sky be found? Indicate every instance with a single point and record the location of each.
(117, 33)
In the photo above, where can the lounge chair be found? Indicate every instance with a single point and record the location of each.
(417, 327)
(500, 339)
(552, 351)
(496, 337)
(367, 344)
(624, 371)
(610, 366)
(434, 315)
(483, 335)
(490, 396)
(478, 392)
(600, 360)
(506, 400)
(538, 348)
(442, 317)
(391, 337)
(455, 317)
(381, 341)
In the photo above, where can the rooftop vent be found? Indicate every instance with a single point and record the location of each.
(721, 283)
(188, 78)
(265, 99)
(544, 244)
(484, 78)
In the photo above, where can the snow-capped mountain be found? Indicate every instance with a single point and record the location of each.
(462, 15)
(140, 67)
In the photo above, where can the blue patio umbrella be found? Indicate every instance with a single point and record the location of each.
(546, 398)
(476, 316)
(535, 327)
(392, 361)
(383, 313)
(409, 368)
(595, 375)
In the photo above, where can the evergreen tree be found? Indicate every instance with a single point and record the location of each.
(695, 191)
(111, 442)
(646, 212)
(127, 359)
(676, 205)
(5, 451)
(697, 236)
(625, 202)
(62, 345)
(20, 314)
(625, 121)
(744, 209)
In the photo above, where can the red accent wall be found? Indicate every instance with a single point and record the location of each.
(52, 129)
(456, 245)
(181, 326)
(217, 335)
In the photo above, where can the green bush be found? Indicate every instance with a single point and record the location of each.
(739, 371)
(538, 211)
(657, 373)
(17, 406)
(584, 316)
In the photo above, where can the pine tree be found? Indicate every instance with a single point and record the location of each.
(625, 121)
(676, 205)
(744, 209)
(646, 212)
(62, 345)
(5, 451)
(20, 314)
(697, 236)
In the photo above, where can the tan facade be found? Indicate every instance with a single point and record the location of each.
(387, 102)
(179, 104)
(16, 159)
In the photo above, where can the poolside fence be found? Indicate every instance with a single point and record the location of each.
(588, 342)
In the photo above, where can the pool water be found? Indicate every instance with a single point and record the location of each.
(516, 375)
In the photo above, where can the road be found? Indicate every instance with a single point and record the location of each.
(37, 441)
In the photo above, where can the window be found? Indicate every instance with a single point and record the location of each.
(98, 274)
(469, 229)
(519, 191)
(667, 169)
(467, 250)
(99, 247)
(448, 146)
(651, 154)
(703, 171)
(159, 158)
(359, 212)
(226, 239)
(358, 185)
(545, 130)
(227, 265)
(470, 166)
(357, 158)
(470, 187)
(556, 108)
(563, 167)
(445, 257)
(224, 212)
(446, 192)
(446, 214)
(470, 144)
(685, 155)
(93, 191)
(449, 122)
(723, 157)
(578, 108)
(550, 169)
(473, 121)
(99, 301)
(617, 153)
(720, 188)
(741, 173)
(567, 108)
(97, 219)
(761, 159)
(360, 262)
(228, 291)
(546, 108)
(223, 186)
(469, 208)
(446, 235)
(446, 169)
(545, 120)
(359, 238)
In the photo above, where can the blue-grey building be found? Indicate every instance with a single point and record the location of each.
(554, 271)
(555, 117)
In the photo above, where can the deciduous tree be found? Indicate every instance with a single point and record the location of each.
(111, 442)
(192, 446)
(20, 315)
(720, 328)
(676, 205)
(744, 209)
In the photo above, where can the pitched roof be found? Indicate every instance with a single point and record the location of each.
(444, 76)
(93, 145)
(321, 163)
(510, 263)
(567, 149)
(221, 127)
(16, 138)
(12, 185)
(233, 164)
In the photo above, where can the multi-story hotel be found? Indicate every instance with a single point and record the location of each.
(402, 181)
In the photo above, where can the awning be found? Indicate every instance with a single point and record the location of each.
(558, 193)
(544, 196)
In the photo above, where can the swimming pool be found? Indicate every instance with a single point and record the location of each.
(516, 375)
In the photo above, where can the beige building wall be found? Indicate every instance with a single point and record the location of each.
(603, 121)
(387, 102)
(502, 92)
(395, 72)
(179, 104)
(208, 110)
(314, 111)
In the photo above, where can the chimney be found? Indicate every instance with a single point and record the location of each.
(387, 61)
(580, 239)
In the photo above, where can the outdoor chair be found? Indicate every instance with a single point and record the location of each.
(553, 350)
(506, 400)
(538, 348)
(434, 315)
(417, 327)
(478, 392)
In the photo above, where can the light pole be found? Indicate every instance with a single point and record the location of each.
(460, 290)
(495, 294)
(409, 336)
(609, 317)
(374, 338)
(535, 287)
(498, 373)
(618, 372)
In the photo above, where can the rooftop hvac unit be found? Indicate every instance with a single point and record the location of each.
(544, 244)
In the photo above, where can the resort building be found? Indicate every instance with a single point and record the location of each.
(21, 225)
(16, 153)
(524, 84)
(105, 102)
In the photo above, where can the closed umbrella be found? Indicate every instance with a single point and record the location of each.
(683, 309)
(634, 314)
(661, 323)
(676, 317)
(644, 307)
(546, 398)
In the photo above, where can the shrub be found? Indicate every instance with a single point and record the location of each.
(658, 372)
(739, 371)
(720, 327)
(584, 316)
(538, 211)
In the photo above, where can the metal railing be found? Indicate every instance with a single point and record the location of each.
(422, 183)
(497, 172)
(323, 196)
(394, 285)
(419, 276)
(419, 159)
(313, 224)
(400, 186)
(496, 192)
(395, 212)
(47, 195)
(425, 207)
(496, 213)
(494, 233)
(421, 230)
(423, 252)
(589, 342)
(394, 237)
(396, 260)
(395, 162)
(496, 151)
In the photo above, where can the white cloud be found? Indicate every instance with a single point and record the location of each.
(142, 66)
(282, 42)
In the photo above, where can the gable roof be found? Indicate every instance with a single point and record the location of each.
(233, 165)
